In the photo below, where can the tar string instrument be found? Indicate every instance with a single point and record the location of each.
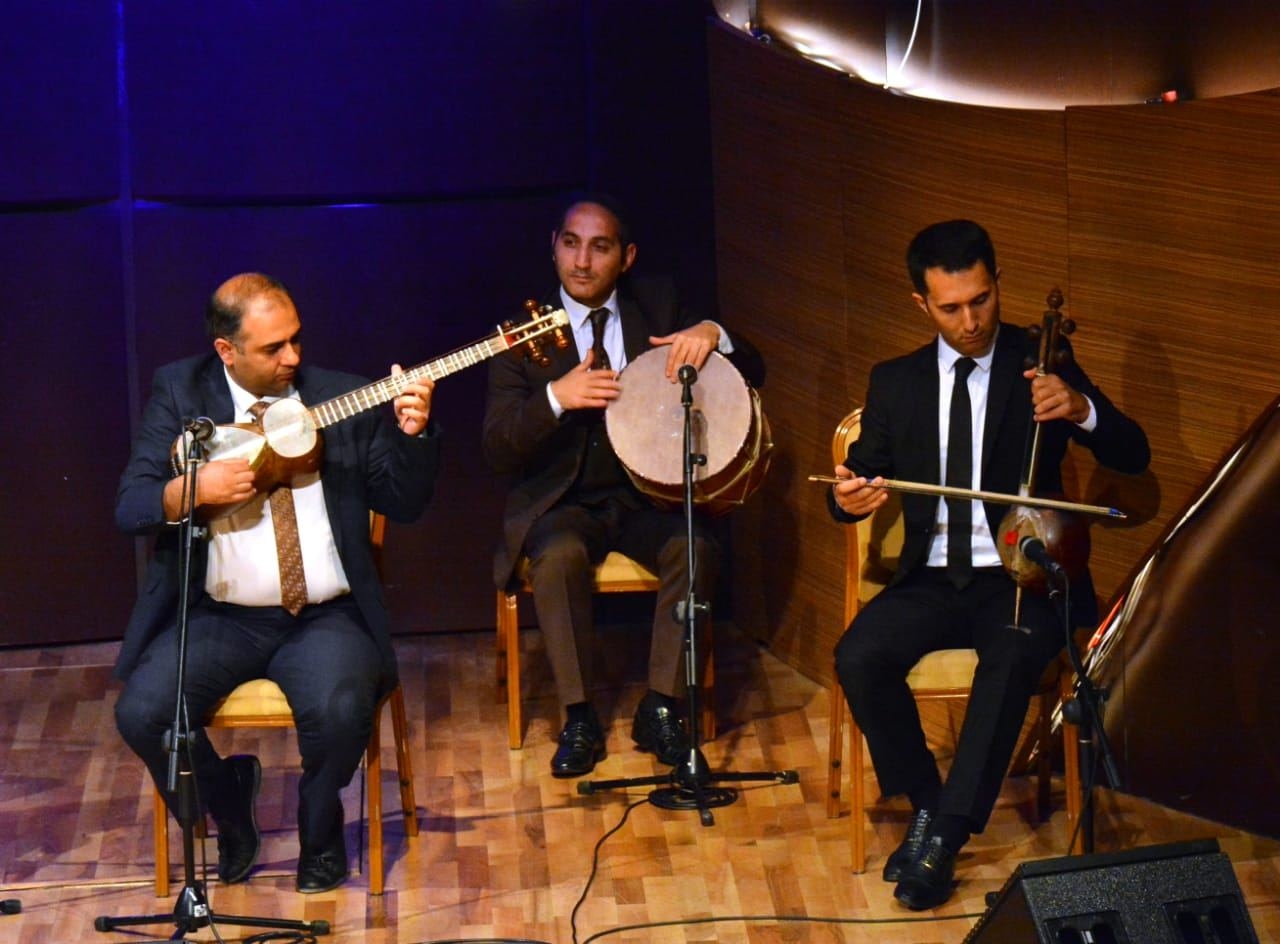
(286, 442)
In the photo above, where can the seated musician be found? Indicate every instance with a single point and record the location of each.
(572, 501)
(961, 405)
(289, 595)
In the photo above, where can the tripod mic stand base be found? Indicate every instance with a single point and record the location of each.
(683, 798)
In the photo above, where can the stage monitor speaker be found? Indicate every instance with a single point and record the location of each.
(1183, 893)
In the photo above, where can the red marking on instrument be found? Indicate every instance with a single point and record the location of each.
(1011, 538)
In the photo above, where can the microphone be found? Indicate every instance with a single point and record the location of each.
(10, 906)
(688, 375)
(200, 428)
(1033, 549)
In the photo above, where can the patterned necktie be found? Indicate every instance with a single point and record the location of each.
(601, 359)
(284, 519)
(960, 475)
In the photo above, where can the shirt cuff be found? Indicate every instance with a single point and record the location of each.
(556, 408)
(1091, 421)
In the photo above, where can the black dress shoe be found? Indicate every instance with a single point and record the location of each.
(911, 846)
(929, 880)
(581, 748)
(658, 729)
(321, 871)
(238, 838)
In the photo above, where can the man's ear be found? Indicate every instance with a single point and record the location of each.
(924, 306)
(628, 256)
(226, 350)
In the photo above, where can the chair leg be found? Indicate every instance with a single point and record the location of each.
(835, 748)
(857, 798)
(1044, 770)
(373, 776)
(509, 657)
(708, 704)
(404, 762)
(1071, 767)
(160, 832)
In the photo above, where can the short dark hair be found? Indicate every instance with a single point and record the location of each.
(953, 246)
(223, 314)
(606, 200)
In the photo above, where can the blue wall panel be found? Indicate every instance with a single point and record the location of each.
(293, 99)
(65, 572)
(58, 117)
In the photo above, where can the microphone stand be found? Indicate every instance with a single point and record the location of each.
(689, 786)
(1085, 711)
(191, 911)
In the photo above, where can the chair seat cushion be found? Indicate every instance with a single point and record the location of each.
(945, 668)
(259, 698)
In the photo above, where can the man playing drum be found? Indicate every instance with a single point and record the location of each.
(573, 502)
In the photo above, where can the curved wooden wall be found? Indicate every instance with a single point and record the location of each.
(1160, 224)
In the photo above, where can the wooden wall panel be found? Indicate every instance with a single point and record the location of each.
(1175, 217)
(780, 253)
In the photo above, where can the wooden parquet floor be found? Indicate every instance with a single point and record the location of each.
(506, 852)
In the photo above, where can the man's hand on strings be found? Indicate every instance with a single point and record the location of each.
(413, 406)
(1053, 399)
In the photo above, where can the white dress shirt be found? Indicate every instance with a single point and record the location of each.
(243, 566)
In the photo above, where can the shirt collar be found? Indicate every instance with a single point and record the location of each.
(947, 355)
(579, 313)
(242, 399)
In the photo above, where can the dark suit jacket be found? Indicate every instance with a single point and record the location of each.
(523, 437)
(899, 439)
(367, 464)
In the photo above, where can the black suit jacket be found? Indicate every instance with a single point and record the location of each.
(368, 464)
(899, 439)
(523, 437)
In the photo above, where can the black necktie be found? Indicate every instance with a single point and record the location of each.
(960, 475)
(598, 318)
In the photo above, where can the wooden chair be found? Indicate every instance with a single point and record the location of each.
(616, 574)
(873, 546)
(261, 704)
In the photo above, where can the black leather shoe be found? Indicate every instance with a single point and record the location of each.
(581, 748)
(321, 871)
(929, 880)
(911, 846)
(238, 838)
(658, 729)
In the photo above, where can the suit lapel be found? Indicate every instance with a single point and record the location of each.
(215, 395)
(1000, 391)
(635, 328)
(924, 395)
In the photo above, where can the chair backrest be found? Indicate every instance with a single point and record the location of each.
(873, 544)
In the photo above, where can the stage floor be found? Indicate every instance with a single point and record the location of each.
(505, 850)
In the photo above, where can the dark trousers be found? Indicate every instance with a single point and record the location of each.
(924, 613)
(565, 545)
(325, 662)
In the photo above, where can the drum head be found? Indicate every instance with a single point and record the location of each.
(646, 423)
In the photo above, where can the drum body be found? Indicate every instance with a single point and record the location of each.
(646, 428)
